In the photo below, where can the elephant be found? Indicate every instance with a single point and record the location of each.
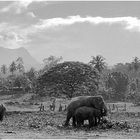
(87, 113)
(2, 112)
(89, 101)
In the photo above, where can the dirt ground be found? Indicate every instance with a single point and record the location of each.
(25, 121)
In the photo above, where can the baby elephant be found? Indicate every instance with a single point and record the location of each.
(87, 113)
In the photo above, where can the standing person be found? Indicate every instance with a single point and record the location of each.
(65, 108)
(41, 107)
(53, 104)
(60, 107)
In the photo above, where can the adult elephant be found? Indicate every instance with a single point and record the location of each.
(89, 101)
(87, 113)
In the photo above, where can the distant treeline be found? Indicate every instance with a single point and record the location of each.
(70, 78)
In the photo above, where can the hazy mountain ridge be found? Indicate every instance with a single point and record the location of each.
(9, 55)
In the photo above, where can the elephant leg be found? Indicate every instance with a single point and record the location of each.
(96, 121)
(68, 119)
(99, 120)
(90, 122)
(78, 124)
(82, 122)
(74, 121)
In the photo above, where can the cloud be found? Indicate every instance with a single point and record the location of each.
(10, 40)
(31, 14)
(12, 36)
(19, 35)
(130, 23)
(17, 6)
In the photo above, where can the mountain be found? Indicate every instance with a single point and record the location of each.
(9, 55)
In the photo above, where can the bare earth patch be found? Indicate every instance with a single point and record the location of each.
(49, 125)
(24, 120)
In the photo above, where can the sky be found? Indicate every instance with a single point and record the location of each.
(75, 30)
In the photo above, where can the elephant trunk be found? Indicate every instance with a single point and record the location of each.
(104, 110)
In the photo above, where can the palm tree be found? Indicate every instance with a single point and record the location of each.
(20, 65)
(98, 62)
(32, 77)
(129, 66)
(136, 63)
(12, 67)
(3, 69)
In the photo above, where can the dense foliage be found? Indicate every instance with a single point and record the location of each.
(70, 77)
(118, 82)
(57, 78)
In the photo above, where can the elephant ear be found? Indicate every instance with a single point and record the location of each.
(100, 101)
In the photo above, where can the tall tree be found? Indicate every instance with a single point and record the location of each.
(20, 65)
(31, 74)
(98, 62)
(32, 77)
(136, 63)
(68, 77)
(12, 67)
(119, 83)
(4, 69)
(22, 81)
(51, 61)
